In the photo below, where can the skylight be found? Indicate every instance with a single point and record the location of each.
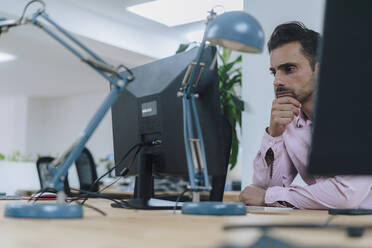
(177, 12)
(4, 57)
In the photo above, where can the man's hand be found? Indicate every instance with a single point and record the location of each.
(253, 195)
(283, 110)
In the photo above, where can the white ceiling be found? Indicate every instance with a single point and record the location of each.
(43, 68)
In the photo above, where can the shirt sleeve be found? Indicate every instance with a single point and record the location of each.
(334, 192)
(283, 171)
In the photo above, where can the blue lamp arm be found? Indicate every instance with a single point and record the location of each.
(97, 63)
(118, 80)
(194, 143)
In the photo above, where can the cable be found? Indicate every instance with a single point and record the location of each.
(123, 173)
(39, 195)
(92, 207)
(125, 170)
(86, 205)
(35, 199)
(98, 195)
(27, 5)
(218, 6)
(330, 218)
(108, 186)
(127, 204)
(179, 199)
(109, 171)
(131, 75)
(88, 194)
(133, 160)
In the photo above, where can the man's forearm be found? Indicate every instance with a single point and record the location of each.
(337, 192)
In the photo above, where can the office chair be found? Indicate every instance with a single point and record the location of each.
(86, 170)
(87, 174)
(42, 165)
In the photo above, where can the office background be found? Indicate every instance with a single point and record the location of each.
(47, 96)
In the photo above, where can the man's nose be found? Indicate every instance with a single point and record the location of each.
(278, 80)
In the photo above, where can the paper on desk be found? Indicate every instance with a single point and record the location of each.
(267, 209)
(163, 203)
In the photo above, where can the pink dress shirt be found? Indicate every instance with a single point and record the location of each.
(290, 158)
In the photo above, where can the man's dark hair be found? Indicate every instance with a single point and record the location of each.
(296, 31)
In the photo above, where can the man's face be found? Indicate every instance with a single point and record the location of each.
(293, 75)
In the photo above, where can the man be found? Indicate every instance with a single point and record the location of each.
(286, 142)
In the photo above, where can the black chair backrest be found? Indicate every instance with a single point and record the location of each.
(42, 165)
(86, 170)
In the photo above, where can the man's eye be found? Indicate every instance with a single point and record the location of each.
(290, 69)
(272, 73)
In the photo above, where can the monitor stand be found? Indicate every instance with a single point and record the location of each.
(144, 188)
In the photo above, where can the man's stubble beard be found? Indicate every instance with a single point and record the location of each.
(310, 94)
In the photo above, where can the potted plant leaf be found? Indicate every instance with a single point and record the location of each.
(230, 78)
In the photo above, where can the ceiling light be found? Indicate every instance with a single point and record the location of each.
(4, 57)
(177, 12)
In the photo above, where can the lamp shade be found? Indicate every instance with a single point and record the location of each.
(236, 30)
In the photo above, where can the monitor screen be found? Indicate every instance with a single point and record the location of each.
(149, 110)
(342, 133)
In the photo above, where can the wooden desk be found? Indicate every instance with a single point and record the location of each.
(228, 196)
(132, 228)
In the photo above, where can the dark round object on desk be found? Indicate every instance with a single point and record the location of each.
(236, 185)
(355, 231)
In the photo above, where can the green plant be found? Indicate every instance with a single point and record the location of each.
(17, 156)
(230, 77)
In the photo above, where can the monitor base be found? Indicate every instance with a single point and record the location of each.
(44, 211)
(140, 204)
(214, 208)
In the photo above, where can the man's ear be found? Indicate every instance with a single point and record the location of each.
(316, 67)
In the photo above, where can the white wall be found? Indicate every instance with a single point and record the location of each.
(54, 123)
(257, 81)
(16, 176)
(46, 126)
(13, 112)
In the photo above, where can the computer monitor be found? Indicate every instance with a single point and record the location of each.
(149, 111)
(342, 129)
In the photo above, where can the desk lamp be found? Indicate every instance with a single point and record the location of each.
(118, 77)
(235, 30)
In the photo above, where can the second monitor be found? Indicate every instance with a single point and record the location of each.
(150, 112)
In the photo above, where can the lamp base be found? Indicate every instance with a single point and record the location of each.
(214, 208)
(44, 211)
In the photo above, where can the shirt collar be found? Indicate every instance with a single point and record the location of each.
(302, 121)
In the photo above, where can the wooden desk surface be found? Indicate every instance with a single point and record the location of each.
(133, 228)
